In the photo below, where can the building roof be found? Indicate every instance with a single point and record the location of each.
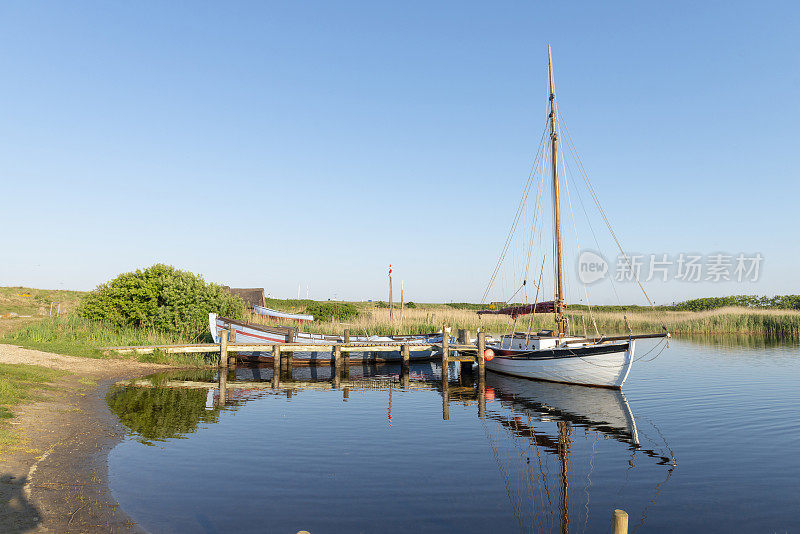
(252, 296)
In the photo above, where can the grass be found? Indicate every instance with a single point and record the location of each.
(76, 336)
(19, 383)
(80, 337)
(36, 302)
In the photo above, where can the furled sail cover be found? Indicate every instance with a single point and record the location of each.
(516, 311)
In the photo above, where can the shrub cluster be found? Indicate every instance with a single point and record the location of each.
(328, 311)
(163, 298)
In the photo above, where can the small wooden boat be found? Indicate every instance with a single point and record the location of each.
(558, 356)
(257, 334)
(275, 314)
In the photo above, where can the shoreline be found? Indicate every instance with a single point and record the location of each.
(54, 478)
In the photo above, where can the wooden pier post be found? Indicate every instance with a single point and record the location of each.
(619, 522)
(286, 360)
(345, 394)
(223, 387)
(481, 356)
(337, 365)
(465, 372)
(445, 348)
(276, 365)
(405, 352)
(337, 356)
(481, 397)
(232, 355)
(223, 348)
(347, 335)
(445, 395)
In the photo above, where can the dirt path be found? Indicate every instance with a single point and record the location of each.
(56, 478)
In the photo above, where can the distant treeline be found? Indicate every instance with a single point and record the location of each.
(791, 302)
(785, 302)
(467, 306)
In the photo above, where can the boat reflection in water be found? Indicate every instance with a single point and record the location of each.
(547, 438)
(539, 424)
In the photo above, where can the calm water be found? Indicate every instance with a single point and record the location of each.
(704, 437)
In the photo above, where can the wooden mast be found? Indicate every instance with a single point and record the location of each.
(559, 304)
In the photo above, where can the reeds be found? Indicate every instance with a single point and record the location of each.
(775, 324)
(81, 337)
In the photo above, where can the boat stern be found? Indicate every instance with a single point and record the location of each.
(212, 326)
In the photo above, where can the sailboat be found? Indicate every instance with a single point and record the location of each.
(555, 355)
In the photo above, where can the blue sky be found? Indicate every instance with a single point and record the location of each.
(277, 144)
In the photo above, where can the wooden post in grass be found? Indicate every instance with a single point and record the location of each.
(223, 348)
(481, 355)
(346, 336)
(619, 522)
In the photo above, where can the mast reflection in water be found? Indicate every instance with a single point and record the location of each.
(389, 460)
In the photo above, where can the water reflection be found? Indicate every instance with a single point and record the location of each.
(539, 425)
(547, 440)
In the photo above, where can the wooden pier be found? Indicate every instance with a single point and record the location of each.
(461, 352)
(282, 362)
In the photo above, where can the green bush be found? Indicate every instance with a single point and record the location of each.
(381, 304)
(160, 297)
(328, 311)
(410, 305)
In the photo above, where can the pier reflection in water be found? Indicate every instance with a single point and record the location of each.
(517, 455)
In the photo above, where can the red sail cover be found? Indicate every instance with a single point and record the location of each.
(516, 311)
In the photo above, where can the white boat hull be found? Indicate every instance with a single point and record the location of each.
(609, 369)
(261, 335)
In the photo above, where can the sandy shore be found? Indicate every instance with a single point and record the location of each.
(56, 478)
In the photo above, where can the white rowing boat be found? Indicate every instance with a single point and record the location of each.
(257, 334)
(275, 314)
